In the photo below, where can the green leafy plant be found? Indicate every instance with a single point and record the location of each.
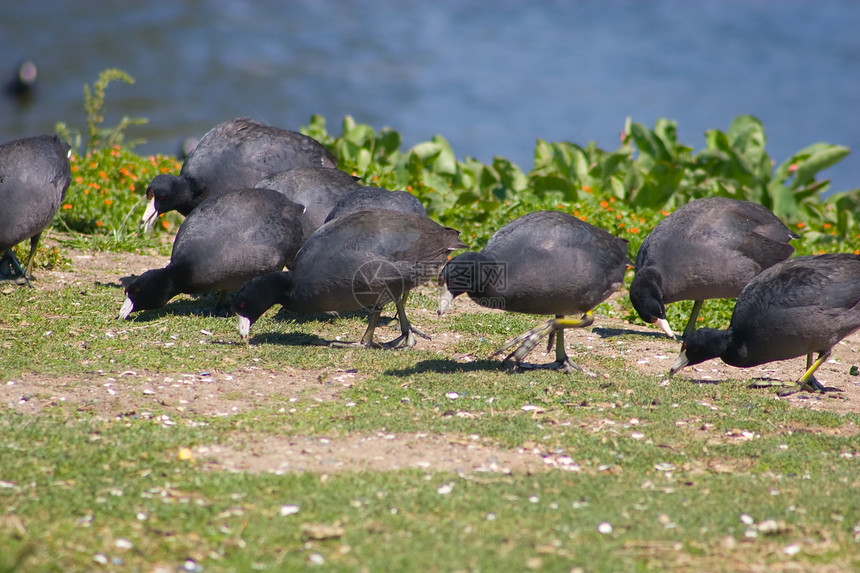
(94, 104)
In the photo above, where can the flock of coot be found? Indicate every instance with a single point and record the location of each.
(269, 215)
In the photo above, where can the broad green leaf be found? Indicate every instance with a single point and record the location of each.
(553, 183)
(445, 162)
(746, 127)
(649, 144)
(388, 141)
(818, 161)
(361, 134)
(660, 184)
(543, 154)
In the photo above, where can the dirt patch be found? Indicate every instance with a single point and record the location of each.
(377, 452)
(140, 394)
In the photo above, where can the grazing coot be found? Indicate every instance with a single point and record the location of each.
(34, 176)
(227, 240)
(359, 261)
(546, 262)
(233, 155)
(709, 248)
(370, 198)
(800, 306)
(318, 189)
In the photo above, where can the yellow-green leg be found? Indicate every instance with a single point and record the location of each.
(554, 328)
(407, 331)
(807, 381)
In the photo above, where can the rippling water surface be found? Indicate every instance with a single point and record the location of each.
(492, 77)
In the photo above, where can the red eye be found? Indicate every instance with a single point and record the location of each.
(241, 305)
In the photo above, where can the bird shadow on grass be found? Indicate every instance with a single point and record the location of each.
(450, 366)
(284, 315)
(203, 305)
(288, 339)
(604, 332)
(705, 381)
(762, 383)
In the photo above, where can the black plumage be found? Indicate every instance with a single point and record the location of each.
(801, 306)
(232, 155)
(227, 240)
(34, 176)
(359, 261)
(317, 189)
(709, 248)
(370, 198)
(546, 262)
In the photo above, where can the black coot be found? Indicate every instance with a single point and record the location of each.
(371, 198)
(709, 248)
(800, 306)
(359, 261)
(34, 176)
(546, 262)
(233, 155)
(22, 84)
(227, 240)
(318, 189)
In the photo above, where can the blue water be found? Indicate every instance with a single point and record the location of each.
(492, 77)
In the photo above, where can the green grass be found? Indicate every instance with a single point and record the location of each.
(672, 469)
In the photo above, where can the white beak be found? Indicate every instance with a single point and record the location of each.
(126, 309)
(679, 363)
(244, 326)
(445, 299)
(148, 219)
(664, 326)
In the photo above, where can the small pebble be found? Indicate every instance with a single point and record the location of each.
(605, 528)
(289, 510)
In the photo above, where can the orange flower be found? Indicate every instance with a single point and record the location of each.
(108, 202)
(634, 230)
(800, 225)
(827, 225)
(98, 223)
(586, 188)
(102, 174)
(582, 218)
(165, 224)
(67, 206)
(79, 179)
(604, 204)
